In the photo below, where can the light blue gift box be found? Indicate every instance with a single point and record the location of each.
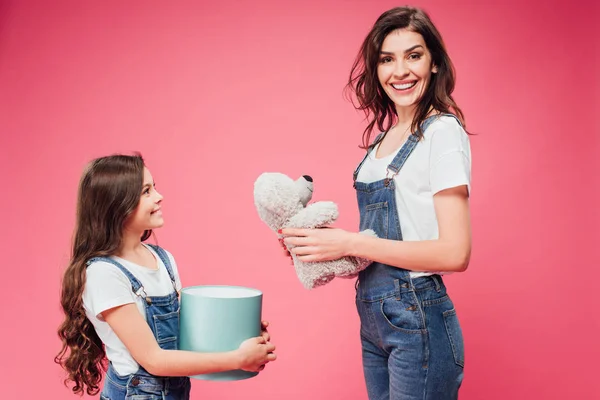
(219, 319)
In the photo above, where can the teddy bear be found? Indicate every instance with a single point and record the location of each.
(282, 202)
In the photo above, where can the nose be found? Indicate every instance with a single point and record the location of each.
(159, 197)
(308, 178)
(401, 69)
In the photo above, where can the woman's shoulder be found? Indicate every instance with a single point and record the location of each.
(445, 123)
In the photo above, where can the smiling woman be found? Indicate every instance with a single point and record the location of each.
(413, 189)
(405, 67)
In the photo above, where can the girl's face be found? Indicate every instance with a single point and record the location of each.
(405, 67)
(148, 214)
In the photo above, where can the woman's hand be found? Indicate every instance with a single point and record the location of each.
(322, 244)
(285, 250)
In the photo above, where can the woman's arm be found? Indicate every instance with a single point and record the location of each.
(450, 252)
(131, 328)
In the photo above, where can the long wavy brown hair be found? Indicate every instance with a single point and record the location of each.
(364, 82)
(109, 192)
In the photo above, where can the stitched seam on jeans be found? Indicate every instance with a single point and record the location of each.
(421, 312)
(115, 383)
(427, 286)
(409, 331)
(379, 298)
(376, 206)
(432, 302)
(426, 369)
(454, 351)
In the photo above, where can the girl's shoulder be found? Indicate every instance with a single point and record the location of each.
(103, 269)
(157, 250)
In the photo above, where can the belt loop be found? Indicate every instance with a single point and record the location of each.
(436, 279)
(397, 289)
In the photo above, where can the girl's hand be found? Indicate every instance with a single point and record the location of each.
(319, 244)
(255, 353)
(264, 333)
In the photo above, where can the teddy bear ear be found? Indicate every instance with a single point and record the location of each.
(275, 198)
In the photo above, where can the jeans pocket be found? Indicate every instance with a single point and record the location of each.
(401, 316)
(143, 395)
(455, 336)
(376, 217)
(167, 329)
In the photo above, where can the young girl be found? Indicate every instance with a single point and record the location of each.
(120, 295)
(412, 188)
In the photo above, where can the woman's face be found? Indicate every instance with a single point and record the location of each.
(405, 67)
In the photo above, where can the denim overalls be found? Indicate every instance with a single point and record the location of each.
(412, 344)
(162, 314)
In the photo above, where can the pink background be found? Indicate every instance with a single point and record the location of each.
(215, 93)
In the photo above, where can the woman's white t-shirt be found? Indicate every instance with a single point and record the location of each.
(107, 287)
(440, 160)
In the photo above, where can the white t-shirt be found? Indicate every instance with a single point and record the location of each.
(107, 287)
(441, 160)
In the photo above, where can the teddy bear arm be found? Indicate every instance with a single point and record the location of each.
(315, 215)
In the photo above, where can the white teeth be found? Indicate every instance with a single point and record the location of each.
(404, 86)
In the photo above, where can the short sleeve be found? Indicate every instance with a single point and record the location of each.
(106, 287)
(450, 157)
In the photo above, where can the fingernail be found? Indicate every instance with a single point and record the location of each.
(279, 231)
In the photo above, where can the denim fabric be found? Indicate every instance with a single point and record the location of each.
(162, 315)
(412, 344)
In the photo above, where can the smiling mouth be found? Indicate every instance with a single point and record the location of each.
(404, 86)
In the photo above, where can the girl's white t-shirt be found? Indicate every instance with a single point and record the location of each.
(440, 160)
(107, 287)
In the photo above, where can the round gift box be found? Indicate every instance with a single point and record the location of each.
(218, 319)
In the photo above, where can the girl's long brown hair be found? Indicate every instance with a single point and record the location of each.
(364, 82)
(109, 192)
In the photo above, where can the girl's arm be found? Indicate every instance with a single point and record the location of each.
(450, 252)
(131, 328)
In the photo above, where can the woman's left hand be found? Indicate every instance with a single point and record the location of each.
(322, 244)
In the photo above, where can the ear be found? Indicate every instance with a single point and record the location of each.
(434, 69)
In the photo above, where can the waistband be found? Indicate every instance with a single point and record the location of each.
(395, 286)
(144, 379)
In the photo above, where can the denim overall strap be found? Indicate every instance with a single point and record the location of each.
(162, 316)
(136, 285)
(379, 212)
(165, 259)
(450, 115)
(406, 149)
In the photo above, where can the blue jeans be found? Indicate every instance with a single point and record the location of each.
(412, 343)
(142, 386)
